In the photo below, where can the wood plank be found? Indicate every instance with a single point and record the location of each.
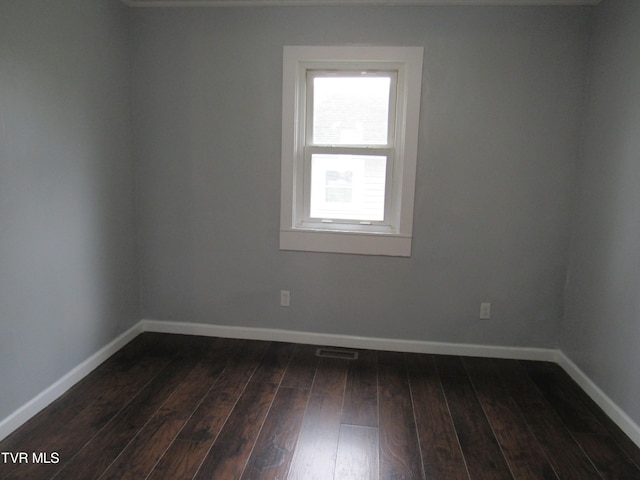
(578, 412)
(565, 455)
(119, 432)
(621, 439)
(479, 445)
(449, 366)
(230, 451)
(208, 419)
(185, 455)
(180, 461)
(274, 363)
(331, 376)
(361, 393)
(302, 367)
(142, 454)
(315, 454)
(563, 397)
(520, 448)
(610, 461)
(441, 453)
(272, 454)
(122, 429)
(357, 457)
(399, 452)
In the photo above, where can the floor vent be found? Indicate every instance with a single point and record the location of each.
(337, 353)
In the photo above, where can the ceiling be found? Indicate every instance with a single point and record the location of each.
(260, 3)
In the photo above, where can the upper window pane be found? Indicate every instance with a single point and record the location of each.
(351, 110)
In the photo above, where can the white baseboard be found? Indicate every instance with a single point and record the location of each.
(352, 341)
(44, 398)
(612, 410)
(32, 407)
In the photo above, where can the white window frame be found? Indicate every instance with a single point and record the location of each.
(393, 235)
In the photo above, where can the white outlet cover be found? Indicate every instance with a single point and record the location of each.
(285, 298)
(485, 311)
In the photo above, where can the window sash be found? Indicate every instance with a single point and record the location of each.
(309, 149)
(307, 221)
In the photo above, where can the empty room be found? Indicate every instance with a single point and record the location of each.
(319, 239)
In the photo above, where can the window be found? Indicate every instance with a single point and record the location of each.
(349, 148)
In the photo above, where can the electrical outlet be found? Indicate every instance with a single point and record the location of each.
(485, 311)
(285, 298)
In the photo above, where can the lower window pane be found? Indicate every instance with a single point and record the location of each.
(348, 187)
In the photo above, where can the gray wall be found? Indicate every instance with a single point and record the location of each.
(501, 108)
(68, 272)
(601, 329)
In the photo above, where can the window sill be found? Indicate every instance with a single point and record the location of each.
(394, 245)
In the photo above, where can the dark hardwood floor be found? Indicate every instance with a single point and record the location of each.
(180, 407)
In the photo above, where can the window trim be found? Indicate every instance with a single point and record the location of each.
(336, 237)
